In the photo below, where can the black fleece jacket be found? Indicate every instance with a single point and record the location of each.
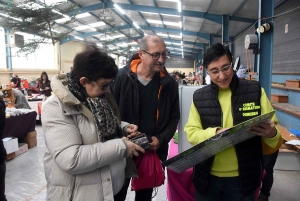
(125, 90)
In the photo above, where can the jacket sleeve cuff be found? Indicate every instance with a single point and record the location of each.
(272, 142)
(123, 140)
(124, 127)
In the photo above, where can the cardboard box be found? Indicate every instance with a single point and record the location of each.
(10, 144)
(23, 147)
(293, 83)
(279, 98)
(10, 156)
(30, 139)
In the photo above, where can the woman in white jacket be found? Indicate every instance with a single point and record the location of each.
(86, 152)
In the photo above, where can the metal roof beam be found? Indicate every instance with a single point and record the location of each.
(187, 13)
(239, 8)
(201, 35)
(200, 45)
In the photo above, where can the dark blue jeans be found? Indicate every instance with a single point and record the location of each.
(267, 183)
(223, 189)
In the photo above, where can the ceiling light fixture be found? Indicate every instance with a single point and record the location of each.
(179, 6)
(119, 9)
(62, 20)
(82, 15)
(18, 19)
(78, 38)
(136, 25)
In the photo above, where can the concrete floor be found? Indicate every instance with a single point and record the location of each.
(25, 180)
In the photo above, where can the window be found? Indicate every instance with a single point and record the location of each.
(2, 49)
(42, 58)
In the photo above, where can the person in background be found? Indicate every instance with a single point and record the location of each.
(2, 152)
(148, 97)
(85, 154)
(15, 82)
(179, 79)
(20, 100)
(25, 83)
(43, 86)
(235, 173)
(196, 78)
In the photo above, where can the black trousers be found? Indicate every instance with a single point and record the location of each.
(141, 195)
(2, 181)
(267, 183)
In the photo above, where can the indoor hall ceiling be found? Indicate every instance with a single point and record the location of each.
(187, 31)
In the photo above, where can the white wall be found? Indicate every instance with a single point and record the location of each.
(68, 52)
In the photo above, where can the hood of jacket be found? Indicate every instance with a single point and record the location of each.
(60, 89)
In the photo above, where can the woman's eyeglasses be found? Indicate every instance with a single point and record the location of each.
(104, 86)
(216, 72)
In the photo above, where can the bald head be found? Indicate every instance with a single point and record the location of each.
(150, 39)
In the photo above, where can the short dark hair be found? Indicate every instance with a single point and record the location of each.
(93, 64)
(215, 52)
(44, 73)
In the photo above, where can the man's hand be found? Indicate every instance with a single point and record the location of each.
(267, 130)
(154, 144)
(220, 130)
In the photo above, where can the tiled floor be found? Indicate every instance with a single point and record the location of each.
(25, 179)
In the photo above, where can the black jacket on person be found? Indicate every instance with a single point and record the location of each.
(2, 124)
(249, 152)
(125, 90)
(16, 81)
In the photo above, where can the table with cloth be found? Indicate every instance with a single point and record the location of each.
(179, 185)
(37, 107)
(19, 126)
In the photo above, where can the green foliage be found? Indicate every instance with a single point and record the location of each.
(36, 19)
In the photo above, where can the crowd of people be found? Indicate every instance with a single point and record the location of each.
(96, 109)
(192, 79)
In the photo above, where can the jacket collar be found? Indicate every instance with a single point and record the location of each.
(60, 89)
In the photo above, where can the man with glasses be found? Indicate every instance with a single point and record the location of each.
(148, 97)
(233, 174)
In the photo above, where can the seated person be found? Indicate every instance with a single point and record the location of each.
(15, 81)
(20, 100)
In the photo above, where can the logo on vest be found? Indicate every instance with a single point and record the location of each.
(247, 107)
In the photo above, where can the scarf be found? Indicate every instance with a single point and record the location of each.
(104, 117)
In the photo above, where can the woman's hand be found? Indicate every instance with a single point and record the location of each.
(267, 130)
(133, 149)
(47, 88)
(131, 130)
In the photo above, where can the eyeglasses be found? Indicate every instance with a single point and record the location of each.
(216, 72)
(104, 86)
(155, 56)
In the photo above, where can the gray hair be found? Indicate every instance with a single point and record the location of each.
(153, 38)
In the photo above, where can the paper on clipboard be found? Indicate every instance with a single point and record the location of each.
(215, 144)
